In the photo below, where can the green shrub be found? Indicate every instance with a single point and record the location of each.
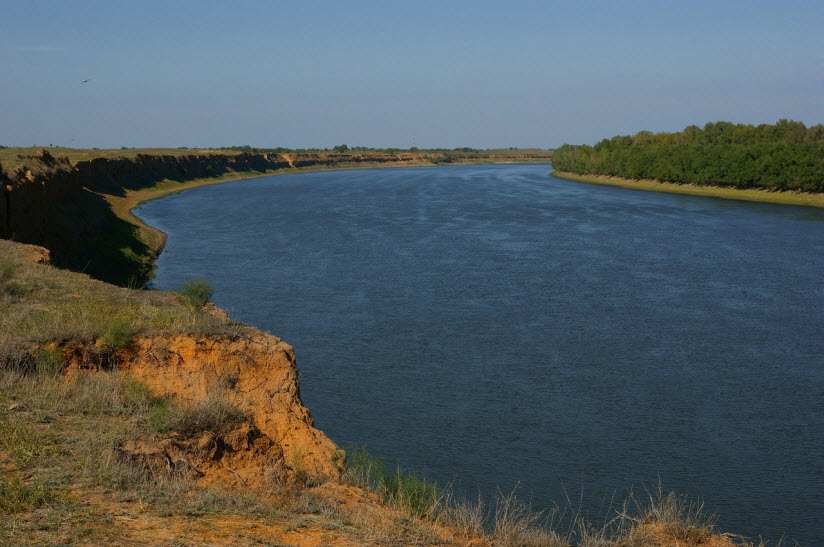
(159, 415)
(137, 396)
(196, 292)
(117, 335)
(50, 360)
(299, 467)
(405, 489)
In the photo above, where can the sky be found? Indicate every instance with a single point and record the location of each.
(483, 74)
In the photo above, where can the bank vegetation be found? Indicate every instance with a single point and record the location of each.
(786, 156)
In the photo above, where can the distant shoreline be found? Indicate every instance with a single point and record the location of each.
(79, 204)
(748, 194)
(123, 206)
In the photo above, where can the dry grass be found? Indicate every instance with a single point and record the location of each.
(212, 413)
(17, 496)
(515, 523)
(67, 430)
(40, 304)
(659, 518)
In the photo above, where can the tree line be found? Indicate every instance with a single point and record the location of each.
(784, 156)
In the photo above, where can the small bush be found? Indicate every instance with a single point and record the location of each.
(50, 360)
(159, 415)
(196, 292)
(406, 490)
(136, 396)
(410, 492)
(117, 335)
(299, 467)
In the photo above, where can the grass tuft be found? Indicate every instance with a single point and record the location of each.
(17, 496)
(7, 270)
(401, 488)
(15, 289)
(24, 442)
(50, 360)
(117, 334)
(515, 523)
(213, 413)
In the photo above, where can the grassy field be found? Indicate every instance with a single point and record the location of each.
(766, 196)
(42, 304)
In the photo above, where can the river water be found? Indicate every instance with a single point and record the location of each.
(500, 328)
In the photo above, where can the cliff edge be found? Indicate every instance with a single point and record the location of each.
(249, 370)
(185, 357)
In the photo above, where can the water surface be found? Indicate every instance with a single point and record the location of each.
(499, 327)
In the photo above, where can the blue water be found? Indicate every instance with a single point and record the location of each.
(498, 327)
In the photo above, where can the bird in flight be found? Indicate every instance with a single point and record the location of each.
(85, 81)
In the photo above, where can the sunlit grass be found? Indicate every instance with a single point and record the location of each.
(40, 304)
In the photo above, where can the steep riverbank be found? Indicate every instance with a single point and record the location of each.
(749, 194)
(181, 422)
(80, 209)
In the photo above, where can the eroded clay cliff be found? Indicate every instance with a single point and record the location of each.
(253, 370)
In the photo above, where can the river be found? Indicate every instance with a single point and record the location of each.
(500, 328)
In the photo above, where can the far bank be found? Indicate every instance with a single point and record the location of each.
(749, 194)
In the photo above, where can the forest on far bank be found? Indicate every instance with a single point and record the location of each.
(784, 156)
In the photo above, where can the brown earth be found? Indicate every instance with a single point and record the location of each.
(253, 370)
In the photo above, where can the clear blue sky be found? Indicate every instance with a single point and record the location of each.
(481, 74)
